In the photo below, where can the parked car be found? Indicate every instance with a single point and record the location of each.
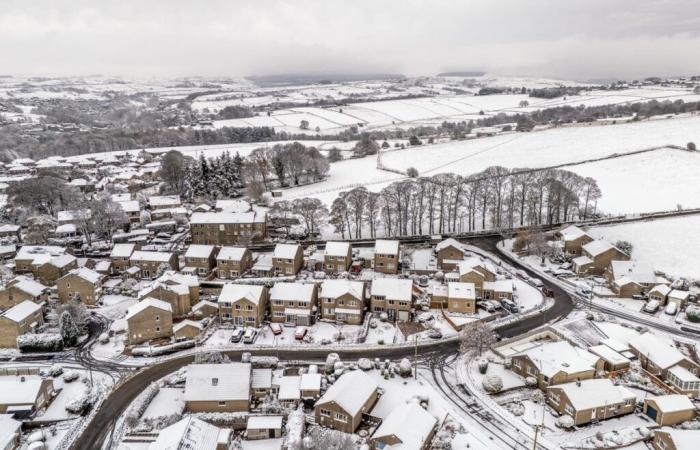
(237, 335)
(671, 309)
(435, 334)
(652, 306)
(584, 291)
(487, 305)
(250, 335)
(300, 333)
(510, 305)
(276, 328)
(536, 282)
(521, 274)
(639, 297)
(547, 292)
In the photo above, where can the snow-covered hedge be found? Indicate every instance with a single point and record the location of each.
(79, 404)
(45, 342)
(565, 421)
(492, 384)
(296, 421)
(162, 350)
(224, 419)
(139, 406)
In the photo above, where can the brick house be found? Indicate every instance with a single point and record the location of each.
(222, 228)
(22, 288)
(294, 303)
(669, 410)
(171, 278)
(232, 262)
(572, 238)
(28, 393)
(218, 387)
(132, 209)
(407, 426)
(628, 278)
(22, 318)
(82, 282)
(120, 256)
(149, 319)
(476, 271)
(287, 259)
(337, 257)
(393, 296)
(449, 253)
(675, 439)
(149, 263)
(341, 407)
(49, 272)
(461, 298)
(243, 304)
(387, 256)
(591, 400)
(342, 301)
(176, 295)
(596, 257)
(161, 206)
(202, 258)
(11, 231)
(30, 257)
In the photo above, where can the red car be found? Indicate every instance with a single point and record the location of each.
(300, 333)
(276, 328)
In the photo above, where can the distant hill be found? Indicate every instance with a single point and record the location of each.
(314, 78)
(462, 74)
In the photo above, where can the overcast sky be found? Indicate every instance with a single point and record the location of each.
(578, 39)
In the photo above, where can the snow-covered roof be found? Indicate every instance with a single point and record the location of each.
(14, 391)
(582, 261)
(310, 382)
(337, 248)
(350, 391)
(28, 285)
(34, 252)
(9, 228)
(336, 288)
(9, 429)
(140, 255)
(289, 388)
(461, 290)
(189, 433)
(67, 228)
(410, 424)
(179, 289)
(122, 250)
(217, 382)
(450, 242)
(608, 354)
(499, 286)
(21, 311)
(62, 260)
(147, 303)
(200, 218)
(475, 263)
(638, 271)
(673, 403)
(186, 323)
(595, 248)
(386, 247)
(173, 277)
(571, 233)
(231, 253)
(232, 206)
(551, 358)
(86, 274)
(231, 293)
(683, 439)
(199, 251)
(202, 303)
(67, 216)
(594, 393)
(683, 374)
(298, 292)
(659, 350)
(130, 206)
(264, 422)
(392, 288)
(121, 197)
(678, 294)
(662, 289)
(261, 379)
(286, 251)
(164, 200)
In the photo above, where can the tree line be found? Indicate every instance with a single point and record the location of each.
(496, 197)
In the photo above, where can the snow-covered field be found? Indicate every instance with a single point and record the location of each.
(666, 243)
(664, 177)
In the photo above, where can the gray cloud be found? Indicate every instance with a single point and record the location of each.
(575, 39)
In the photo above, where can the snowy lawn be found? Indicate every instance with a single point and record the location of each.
(166, 402)
(262, 444)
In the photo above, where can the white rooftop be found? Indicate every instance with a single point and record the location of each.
(233, 292)
(147, 303)
(140, 255)
(200, 218)
(164, 200)
(264, 422)
(392, 288)
(28, 285)
(14, 391)
(189, 433)
(386, 247)
(285, 251)
(595, 248)
(231, 253)
(336, 288)
(86, 274)
(594, 393)
(21, 311)
(293, 292)
(553, 357)
(350, 391)
(571, 233)
(673, 403)
(659, 350)
(638, 271)
(410, 424)
(199, 251)
(337, 248)
(461, 290)
(217, 382)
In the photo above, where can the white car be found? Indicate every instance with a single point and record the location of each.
(671, 309)
(652, 306)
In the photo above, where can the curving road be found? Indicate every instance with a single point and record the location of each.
(102, 424)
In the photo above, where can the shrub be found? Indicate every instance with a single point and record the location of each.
(483, 366)
(46, 342)
(493, 384)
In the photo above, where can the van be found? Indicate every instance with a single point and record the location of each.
(250, 335)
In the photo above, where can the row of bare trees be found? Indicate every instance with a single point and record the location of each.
(446, 203)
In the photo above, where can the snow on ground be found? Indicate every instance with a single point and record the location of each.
(262, 444)
(398, 391)
(663, 242)
(166, 402)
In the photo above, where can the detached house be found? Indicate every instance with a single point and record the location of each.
(218, 387)
(406, 427)
(22, 318)
(120, 256)
(596, 256)
(232, 262)
(149, 319)
(201, 259)
(628, 278)
(30, 257)
(668, 438)
(287, 259)
(591, 400)
(161, 206)
(176, 295)
(82, 283)
(342, 301)
(337, 257)
(28, 394)
(224, 228)
(343, 404)
(449, 254)
(56, 267)
(573, 239)
(294, 303)
(461, 298)
(189, 430)
(386, 256)
(393, 296)
(22, 288)
(659, 293)
(556, 362)
(244, 304)
(149, 263)
(475, 270)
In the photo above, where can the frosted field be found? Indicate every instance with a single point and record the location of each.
(660, 180)
(670, 244)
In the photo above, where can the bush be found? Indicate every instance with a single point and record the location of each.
(405, 369)
(693, 314)
(46, 342)
(79, 404)
(565, 421)
(483, 366)
(493, 384)
(70, 376)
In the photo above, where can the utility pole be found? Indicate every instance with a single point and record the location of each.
(415, 356)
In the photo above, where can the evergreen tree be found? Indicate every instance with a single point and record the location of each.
(69, 330)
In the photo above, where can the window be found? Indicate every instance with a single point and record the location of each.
(569, 410)
(238, 307)
(222, 228)
(554, 397)
(214, 381)
(249, 307)
(157, 318)
(532, 371)
(279, 302)
(222, 403)
(517, 363)
(157, 329)
(341, 417)
(325, 413)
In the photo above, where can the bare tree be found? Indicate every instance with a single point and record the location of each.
(313, 212)
(475, 338)
(172, 170)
